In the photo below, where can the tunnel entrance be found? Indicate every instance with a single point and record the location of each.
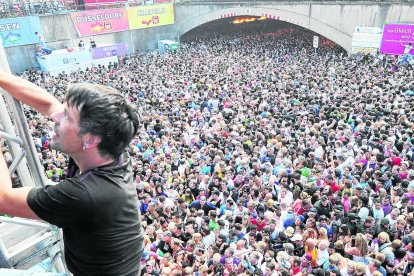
(252, 25)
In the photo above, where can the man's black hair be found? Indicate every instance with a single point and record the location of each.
(104, 112)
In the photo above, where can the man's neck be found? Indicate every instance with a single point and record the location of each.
(89, 160)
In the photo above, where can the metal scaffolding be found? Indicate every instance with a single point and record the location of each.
(24, 243)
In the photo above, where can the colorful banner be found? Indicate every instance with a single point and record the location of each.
(98, 22)
(20, 31)
(109, 51)
(395, 37)
(150, 16)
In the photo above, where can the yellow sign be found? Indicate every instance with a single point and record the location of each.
(150, 16)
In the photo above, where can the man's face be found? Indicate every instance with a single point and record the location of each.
(251, 240)
(189, 229)
(67, 138)
(268, 271)
(149, 268)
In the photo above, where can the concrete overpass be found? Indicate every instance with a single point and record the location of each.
(335, 20)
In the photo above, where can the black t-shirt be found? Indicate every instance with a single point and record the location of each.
(98, 212)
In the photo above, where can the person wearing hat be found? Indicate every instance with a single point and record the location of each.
(313, 213)
(352, 223)
(323, 206)
(299, 250)
(164, 246)
(383, 226)
(306, 262)
(289, 232)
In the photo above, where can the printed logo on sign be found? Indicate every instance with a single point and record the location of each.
(107, 25)
(69, 60)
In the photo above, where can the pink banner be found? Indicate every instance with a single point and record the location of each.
(396, 37)
(98, 22)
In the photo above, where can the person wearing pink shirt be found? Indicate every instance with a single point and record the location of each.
(346, 202)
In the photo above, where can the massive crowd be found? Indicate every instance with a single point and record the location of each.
(257, 155)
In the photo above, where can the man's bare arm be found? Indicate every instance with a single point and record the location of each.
(30, 94)
(13, 201)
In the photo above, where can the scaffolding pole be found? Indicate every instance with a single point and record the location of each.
(34, 177)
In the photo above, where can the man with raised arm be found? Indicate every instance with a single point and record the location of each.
(96, 205)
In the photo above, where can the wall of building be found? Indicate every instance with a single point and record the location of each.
(333, 20)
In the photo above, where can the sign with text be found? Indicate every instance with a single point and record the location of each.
(20, 31)
(98, 22)
(315, 41)
(395, 37)
(62, 60)
(150, 16)
(366, 40)
(109, 51)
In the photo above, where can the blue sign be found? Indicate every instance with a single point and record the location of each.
(19, 31)
(62, 60)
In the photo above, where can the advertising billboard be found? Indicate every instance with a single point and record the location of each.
(98, 22)
(119, 49)
(19, 31)
(150, 16)
(366, 40)
(395, 37)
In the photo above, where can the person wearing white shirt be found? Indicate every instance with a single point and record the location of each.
(393, 216)
(323, 253)
(378, 212)
(209, 238)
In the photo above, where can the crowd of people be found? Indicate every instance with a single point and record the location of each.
(257, 155)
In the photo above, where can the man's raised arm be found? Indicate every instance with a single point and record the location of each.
(30, 94)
